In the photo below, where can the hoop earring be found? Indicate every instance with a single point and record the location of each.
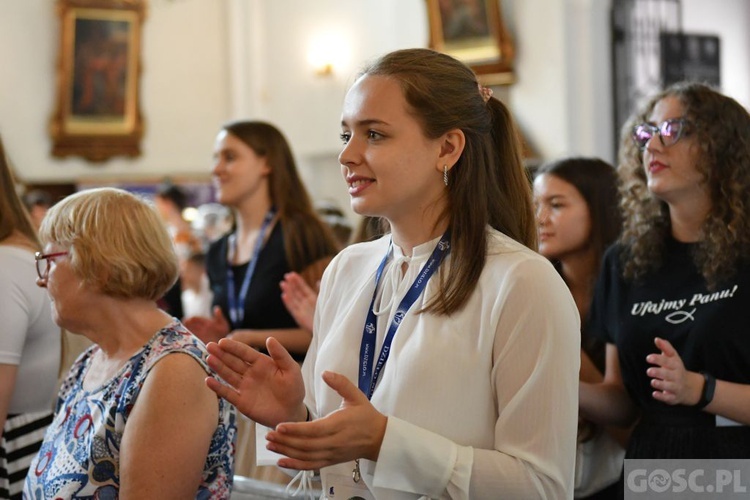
(445, 174)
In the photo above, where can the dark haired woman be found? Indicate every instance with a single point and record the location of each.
(276, 231)
(578, 215)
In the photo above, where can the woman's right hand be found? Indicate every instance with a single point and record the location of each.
(266, 388)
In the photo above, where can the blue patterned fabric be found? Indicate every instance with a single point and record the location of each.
(80, 455)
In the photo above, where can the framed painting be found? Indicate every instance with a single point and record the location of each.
(473, 32)
(97, 113)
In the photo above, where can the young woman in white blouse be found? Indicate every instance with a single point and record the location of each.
(444, 361)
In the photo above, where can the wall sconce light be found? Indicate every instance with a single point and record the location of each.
(326, 53)
(324, 68)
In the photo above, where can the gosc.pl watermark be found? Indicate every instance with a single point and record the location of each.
(686, 479)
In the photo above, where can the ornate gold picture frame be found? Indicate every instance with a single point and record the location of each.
(97, 114)
(473, 32)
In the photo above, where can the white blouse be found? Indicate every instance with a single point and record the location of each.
(481, 404)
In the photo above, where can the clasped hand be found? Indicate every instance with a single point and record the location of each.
(269, 389)
(674, 384)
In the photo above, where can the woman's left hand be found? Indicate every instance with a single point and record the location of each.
(353, 431)
(210, 329)
(299, 300)
(673, 383)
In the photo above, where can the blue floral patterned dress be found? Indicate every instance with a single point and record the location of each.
(80, 456)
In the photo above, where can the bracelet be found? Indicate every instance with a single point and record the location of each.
(707, 394)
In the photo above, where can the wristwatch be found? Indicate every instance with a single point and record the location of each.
(709, 386)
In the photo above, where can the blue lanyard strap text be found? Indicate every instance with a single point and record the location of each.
(368, 377)
(235, 302)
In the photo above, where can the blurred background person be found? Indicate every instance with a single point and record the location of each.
(276, 231)
(213, 221)
(30, 342)
(171, 201)
(672, 298)
(152, 429)
(196, 290)
(578, 215)
(37, 203)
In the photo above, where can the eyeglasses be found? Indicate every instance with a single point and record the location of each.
(670, 131)
(43, 262)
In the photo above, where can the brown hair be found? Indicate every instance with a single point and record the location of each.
(596, 181)
(369, 228)
(13, 214)
(721, 127)
(307, 239)
(488, 185)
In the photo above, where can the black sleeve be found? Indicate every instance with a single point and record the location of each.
(602, 317)
(171, 302)
(216, 269)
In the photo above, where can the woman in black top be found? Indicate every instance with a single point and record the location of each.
(276, 231)
(672, 298)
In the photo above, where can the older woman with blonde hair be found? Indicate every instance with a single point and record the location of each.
(133, 417)
(29, 342)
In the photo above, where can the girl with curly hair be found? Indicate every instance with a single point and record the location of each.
(672, 297)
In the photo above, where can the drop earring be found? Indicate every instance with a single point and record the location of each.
(445, 174)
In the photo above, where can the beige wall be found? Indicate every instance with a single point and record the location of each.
(184, 90)
(730, 19)
(207, 61)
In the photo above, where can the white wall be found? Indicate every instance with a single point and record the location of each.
(273, 80)
(588, 60)
(184, 90)
(307, 106)
(730, 20)
(207, 61)
(562, 99)
(538, 98)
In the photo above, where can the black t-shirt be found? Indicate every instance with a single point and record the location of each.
(264, 309)
(708, 328)
(171, 302)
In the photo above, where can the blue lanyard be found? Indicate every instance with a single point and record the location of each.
(237, 303)
(368, 377)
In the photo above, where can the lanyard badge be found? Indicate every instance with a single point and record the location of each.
(368, 377)
(237, 302)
